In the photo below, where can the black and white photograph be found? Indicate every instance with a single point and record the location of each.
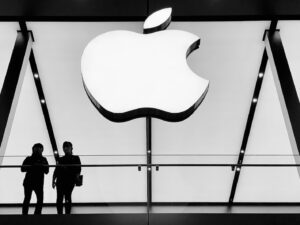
(149, 112)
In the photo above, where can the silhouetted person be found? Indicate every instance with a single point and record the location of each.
(64, 178)
(35, 167)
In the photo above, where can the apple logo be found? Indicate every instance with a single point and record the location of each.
(128, 75)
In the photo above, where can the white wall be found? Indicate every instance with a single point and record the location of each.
(229, 56)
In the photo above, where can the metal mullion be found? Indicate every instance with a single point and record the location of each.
(247, 130)
(12, 86)
(286, 89)
(38, 85)
(149, 162)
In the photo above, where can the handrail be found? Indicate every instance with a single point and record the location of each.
(167, 155)
(232, 165)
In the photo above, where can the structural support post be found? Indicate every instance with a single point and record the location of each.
(39, 88)
(43, 103)
(12, 86)
(254, 100)
(149, 161)
(249, 124)
(286, 89)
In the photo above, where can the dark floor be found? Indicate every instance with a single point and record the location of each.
(160, 209)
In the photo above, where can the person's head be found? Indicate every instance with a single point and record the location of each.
(68, 147)
(37, 149)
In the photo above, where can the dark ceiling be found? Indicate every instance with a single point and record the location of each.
(135, 10)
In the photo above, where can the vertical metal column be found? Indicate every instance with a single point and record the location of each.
(149, 161)
(149, 154)
(12, 86)
(286, 89)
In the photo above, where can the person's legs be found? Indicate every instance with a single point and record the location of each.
(27, 193)
(59, 199)
(68, 198)
(40, 199)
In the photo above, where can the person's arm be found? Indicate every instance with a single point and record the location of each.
(26, 165)
(46, 166)
(55, 176)
(78, 168)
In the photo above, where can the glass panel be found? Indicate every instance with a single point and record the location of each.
(7, 40)
(58, 53)
(268, 133)
(290, 35)
(213, 183)
(177, 183)
(190, 184)
(28, 126)
(229, 56)
(11, 191)
(100, 184)
(269, 184)
(113, 184)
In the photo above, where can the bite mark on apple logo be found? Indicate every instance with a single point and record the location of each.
(128, 75)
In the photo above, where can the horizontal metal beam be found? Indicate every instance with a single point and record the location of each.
(163, 165)
(230, 10)
(187, 204)
(224, 218)
(73, 10)
(157, 218)
(137, 10)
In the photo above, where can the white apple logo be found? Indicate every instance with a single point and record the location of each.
(129, 75)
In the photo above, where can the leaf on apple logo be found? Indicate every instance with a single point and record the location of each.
(158, 20)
